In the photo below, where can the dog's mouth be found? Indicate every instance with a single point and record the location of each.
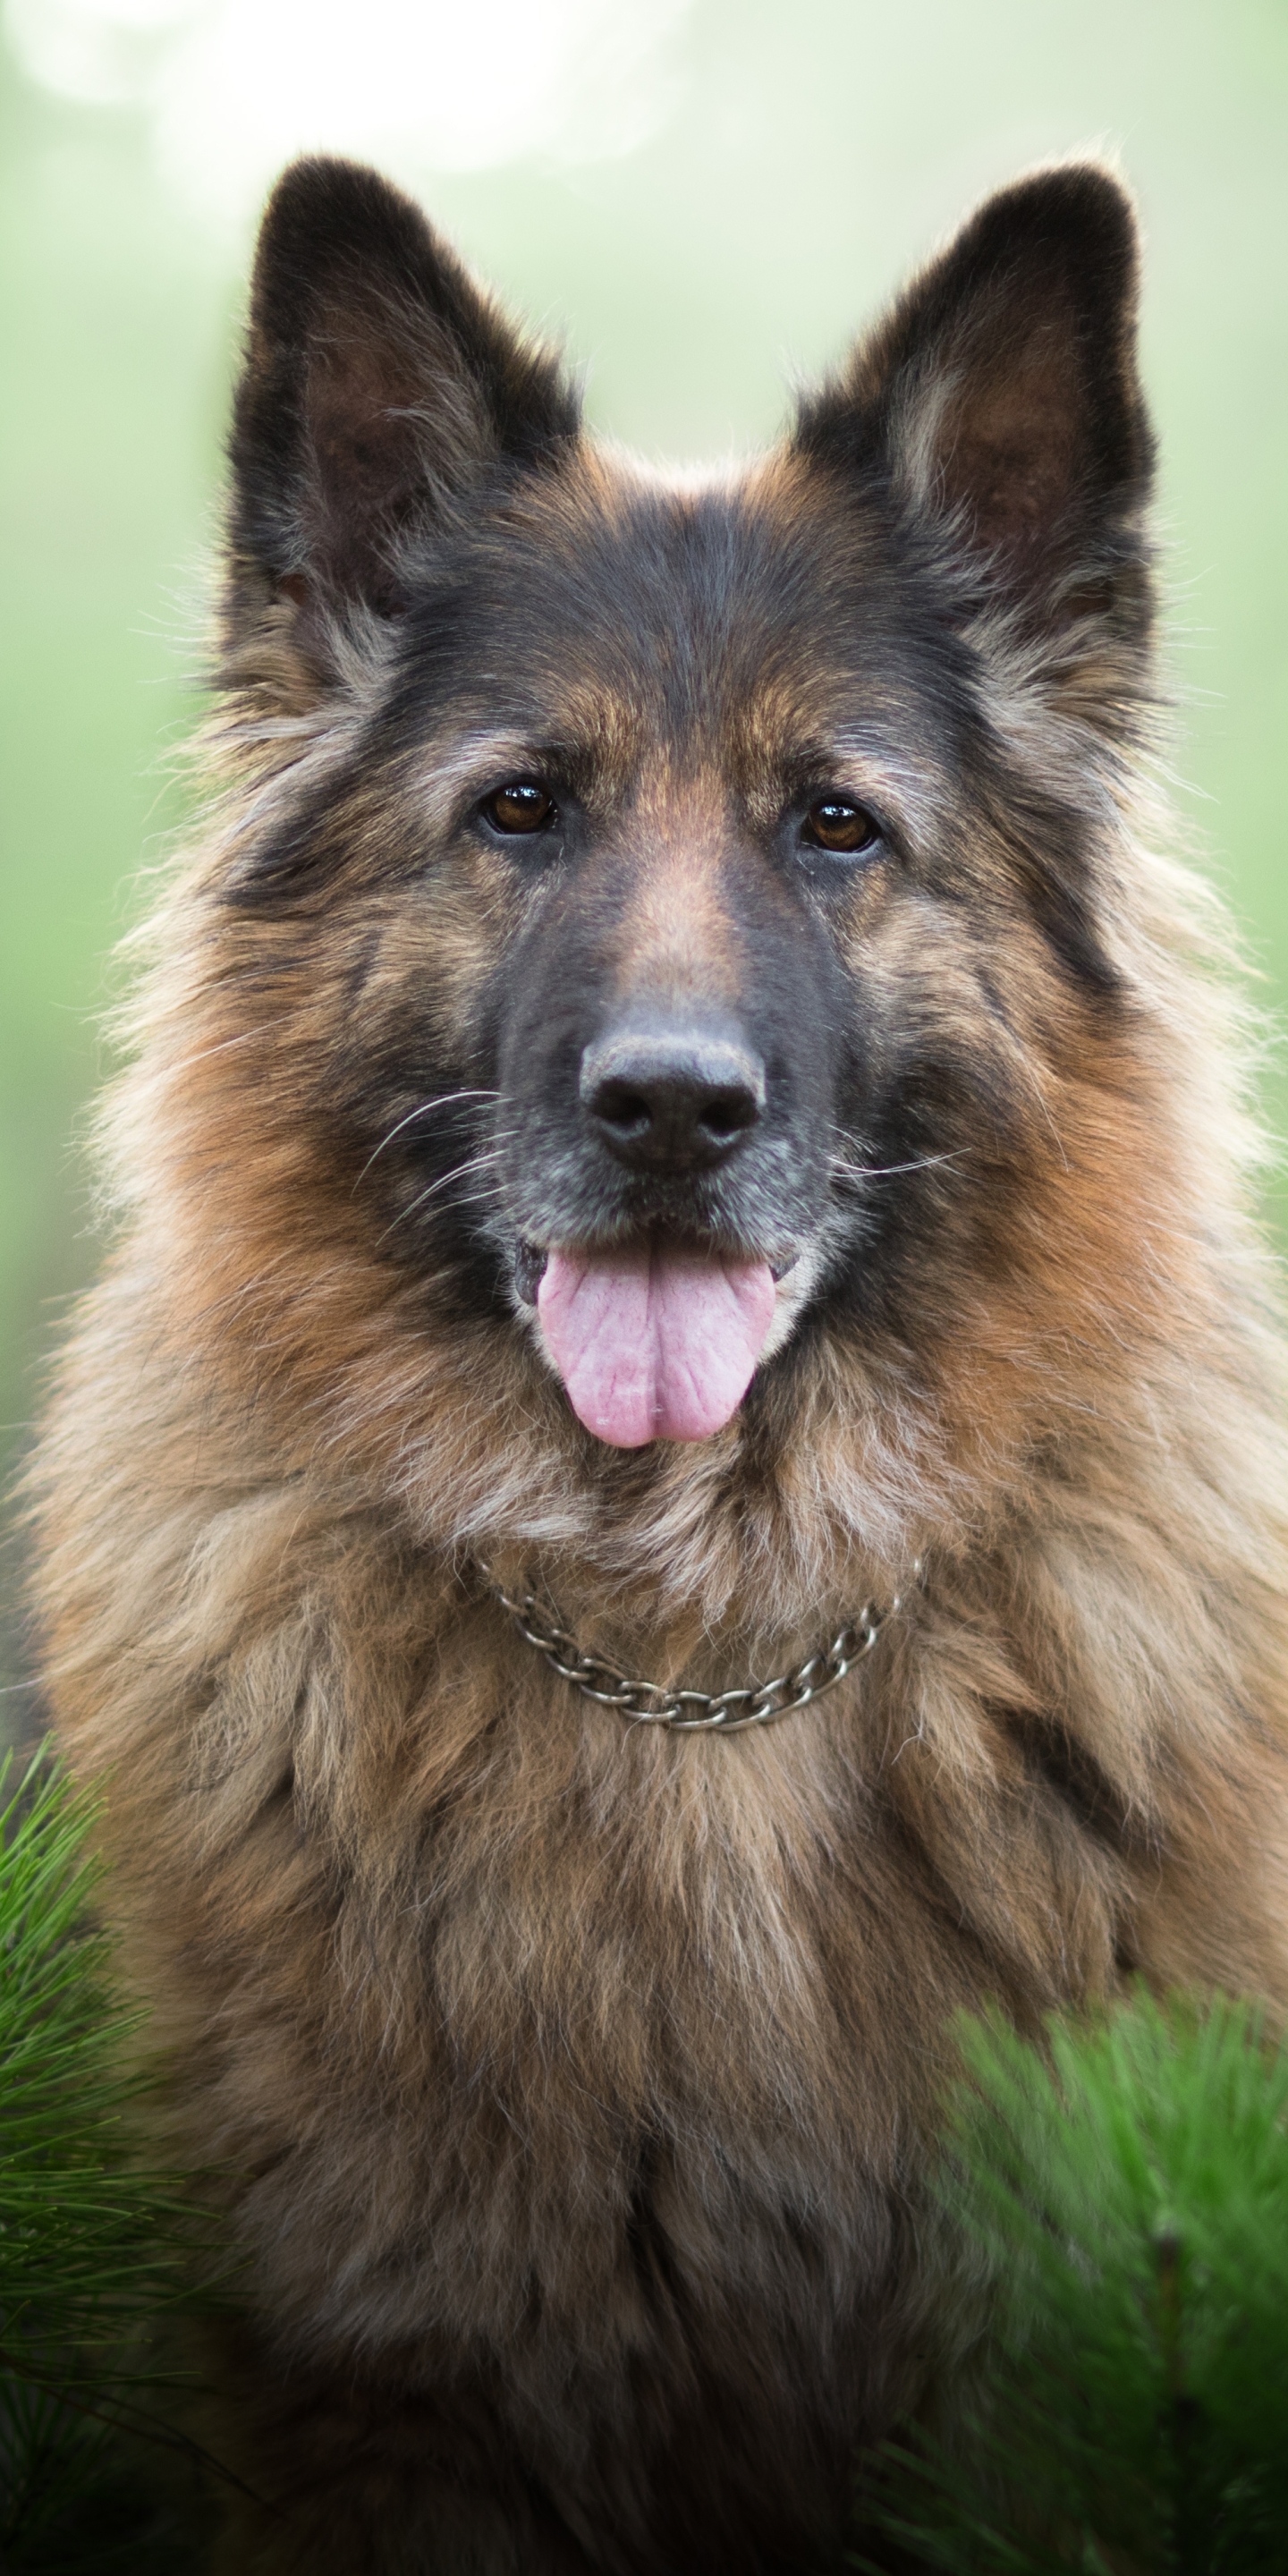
(653, 1340)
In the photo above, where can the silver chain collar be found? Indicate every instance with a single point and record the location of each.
(694, 1712)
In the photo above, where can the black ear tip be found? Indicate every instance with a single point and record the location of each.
(1070, 192)
(322, 184)
(324, 213)
(1078, 212)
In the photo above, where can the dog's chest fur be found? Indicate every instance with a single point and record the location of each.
(573, 2062)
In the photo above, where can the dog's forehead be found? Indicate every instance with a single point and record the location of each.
(746, 621)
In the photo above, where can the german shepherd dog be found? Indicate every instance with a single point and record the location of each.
(678, 1471)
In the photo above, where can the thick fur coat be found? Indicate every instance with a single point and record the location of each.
(574, 2079)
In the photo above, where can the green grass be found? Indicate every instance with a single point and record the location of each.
(1125, 2195)
(96, 2252)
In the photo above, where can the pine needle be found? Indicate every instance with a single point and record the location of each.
(93, 2248)
(1127, 2190)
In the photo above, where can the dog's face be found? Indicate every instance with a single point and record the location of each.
(685, 930)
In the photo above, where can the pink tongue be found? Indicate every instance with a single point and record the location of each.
(654, 1345)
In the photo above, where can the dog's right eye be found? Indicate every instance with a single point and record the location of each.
(520, 807)
(837, 824)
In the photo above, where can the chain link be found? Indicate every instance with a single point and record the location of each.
(694, 1712)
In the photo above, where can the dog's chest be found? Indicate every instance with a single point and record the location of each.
(611, 2070)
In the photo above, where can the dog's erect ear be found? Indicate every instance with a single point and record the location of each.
(1001, 392)
(380, 384)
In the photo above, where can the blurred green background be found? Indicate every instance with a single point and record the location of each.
(704, 200)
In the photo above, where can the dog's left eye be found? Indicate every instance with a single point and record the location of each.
(520, 807)
(837, 824)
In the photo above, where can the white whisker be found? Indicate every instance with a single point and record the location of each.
(442, 1100)
(473, 1163)
(846, 1171)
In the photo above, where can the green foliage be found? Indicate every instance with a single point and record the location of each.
(1128, 2192)
(92, 2249)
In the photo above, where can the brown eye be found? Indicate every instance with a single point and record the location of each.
(836, 823)
(520, 807)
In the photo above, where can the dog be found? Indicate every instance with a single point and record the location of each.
(677, 1473)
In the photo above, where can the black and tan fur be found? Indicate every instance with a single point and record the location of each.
(576, 2079)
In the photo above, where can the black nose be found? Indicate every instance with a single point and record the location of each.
(671, 1100)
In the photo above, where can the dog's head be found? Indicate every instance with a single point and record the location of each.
(673, 935)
